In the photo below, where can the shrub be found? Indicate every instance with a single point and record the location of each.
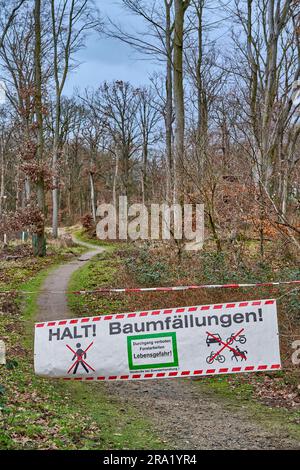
(87, 222)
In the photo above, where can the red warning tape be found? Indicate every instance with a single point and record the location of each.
(127, 290)
(183, 288)
(185, 373)
(169, 311)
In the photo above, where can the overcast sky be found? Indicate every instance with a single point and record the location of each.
(108, 59)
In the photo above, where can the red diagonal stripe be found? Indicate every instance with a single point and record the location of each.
(226, 345)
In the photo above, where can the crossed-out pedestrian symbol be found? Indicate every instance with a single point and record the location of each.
(80, 356)
(236, 352)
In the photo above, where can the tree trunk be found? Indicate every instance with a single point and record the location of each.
(39, 247)
(180, 8)
(55, 178)
(93, 199)
(1, 178)
(169, 104)
(116, 173)
(202, 131)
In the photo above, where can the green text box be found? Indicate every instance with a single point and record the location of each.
(174, 363)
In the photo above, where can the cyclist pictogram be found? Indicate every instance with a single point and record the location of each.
(212, 357)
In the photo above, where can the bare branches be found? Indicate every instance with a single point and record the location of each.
(152, 40)
(8, 22)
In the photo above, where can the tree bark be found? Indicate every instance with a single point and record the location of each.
(1, 177)
(169, 102)
(180, 9)
(39, 247)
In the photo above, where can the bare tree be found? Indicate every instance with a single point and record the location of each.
(270, 66)
(119, 103)
(8, 19)
(17, 60)
(148, 119)
(71, 19)
(40, 247)
(93, 132)
(155, 42)
(180, 9)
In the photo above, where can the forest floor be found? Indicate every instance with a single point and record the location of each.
(253, 411)
(36, 413)
(209, 413)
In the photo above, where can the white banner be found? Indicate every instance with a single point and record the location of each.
(179, 342)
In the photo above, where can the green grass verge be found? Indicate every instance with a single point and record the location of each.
(101, 271)
(82, 236)
(38, 413)
(29, 303)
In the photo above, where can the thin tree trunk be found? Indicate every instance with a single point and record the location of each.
(2, 179)
(115, 181)
(180, 8)
(93, 201)
(169, 103)
(55, 183)
(40, 246)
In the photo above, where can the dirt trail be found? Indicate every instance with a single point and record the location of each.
(185, 415)
(55, 306)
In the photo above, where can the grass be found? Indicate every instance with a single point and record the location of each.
(235, 390)
(101, 271)
(83, 236)
(29, 305)
(37, 413)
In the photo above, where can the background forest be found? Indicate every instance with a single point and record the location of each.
(218, 122)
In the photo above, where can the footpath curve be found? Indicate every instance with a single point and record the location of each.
(55, 306)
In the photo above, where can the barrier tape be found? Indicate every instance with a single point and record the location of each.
(185, 373)
(148, 313)
(128, 290)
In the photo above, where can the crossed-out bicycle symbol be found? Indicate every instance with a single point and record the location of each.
(237, 353)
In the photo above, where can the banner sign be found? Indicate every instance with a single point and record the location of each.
(179, 342)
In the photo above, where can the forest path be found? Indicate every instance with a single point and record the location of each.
(55, 306)
(184, 414)
(189, 417)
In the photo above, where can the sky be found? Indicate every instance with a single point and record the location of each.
(108, 59)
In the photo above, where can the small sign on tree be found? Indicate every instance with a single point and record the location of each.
(2, 353)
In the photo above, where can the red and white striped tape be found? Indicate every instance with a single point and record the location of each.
(168, 311)
(132, 290)
(183, 288)
(185, 373)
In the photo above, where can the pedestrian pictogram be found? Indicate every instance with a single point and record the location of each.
(79, 358)
(218, 356)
